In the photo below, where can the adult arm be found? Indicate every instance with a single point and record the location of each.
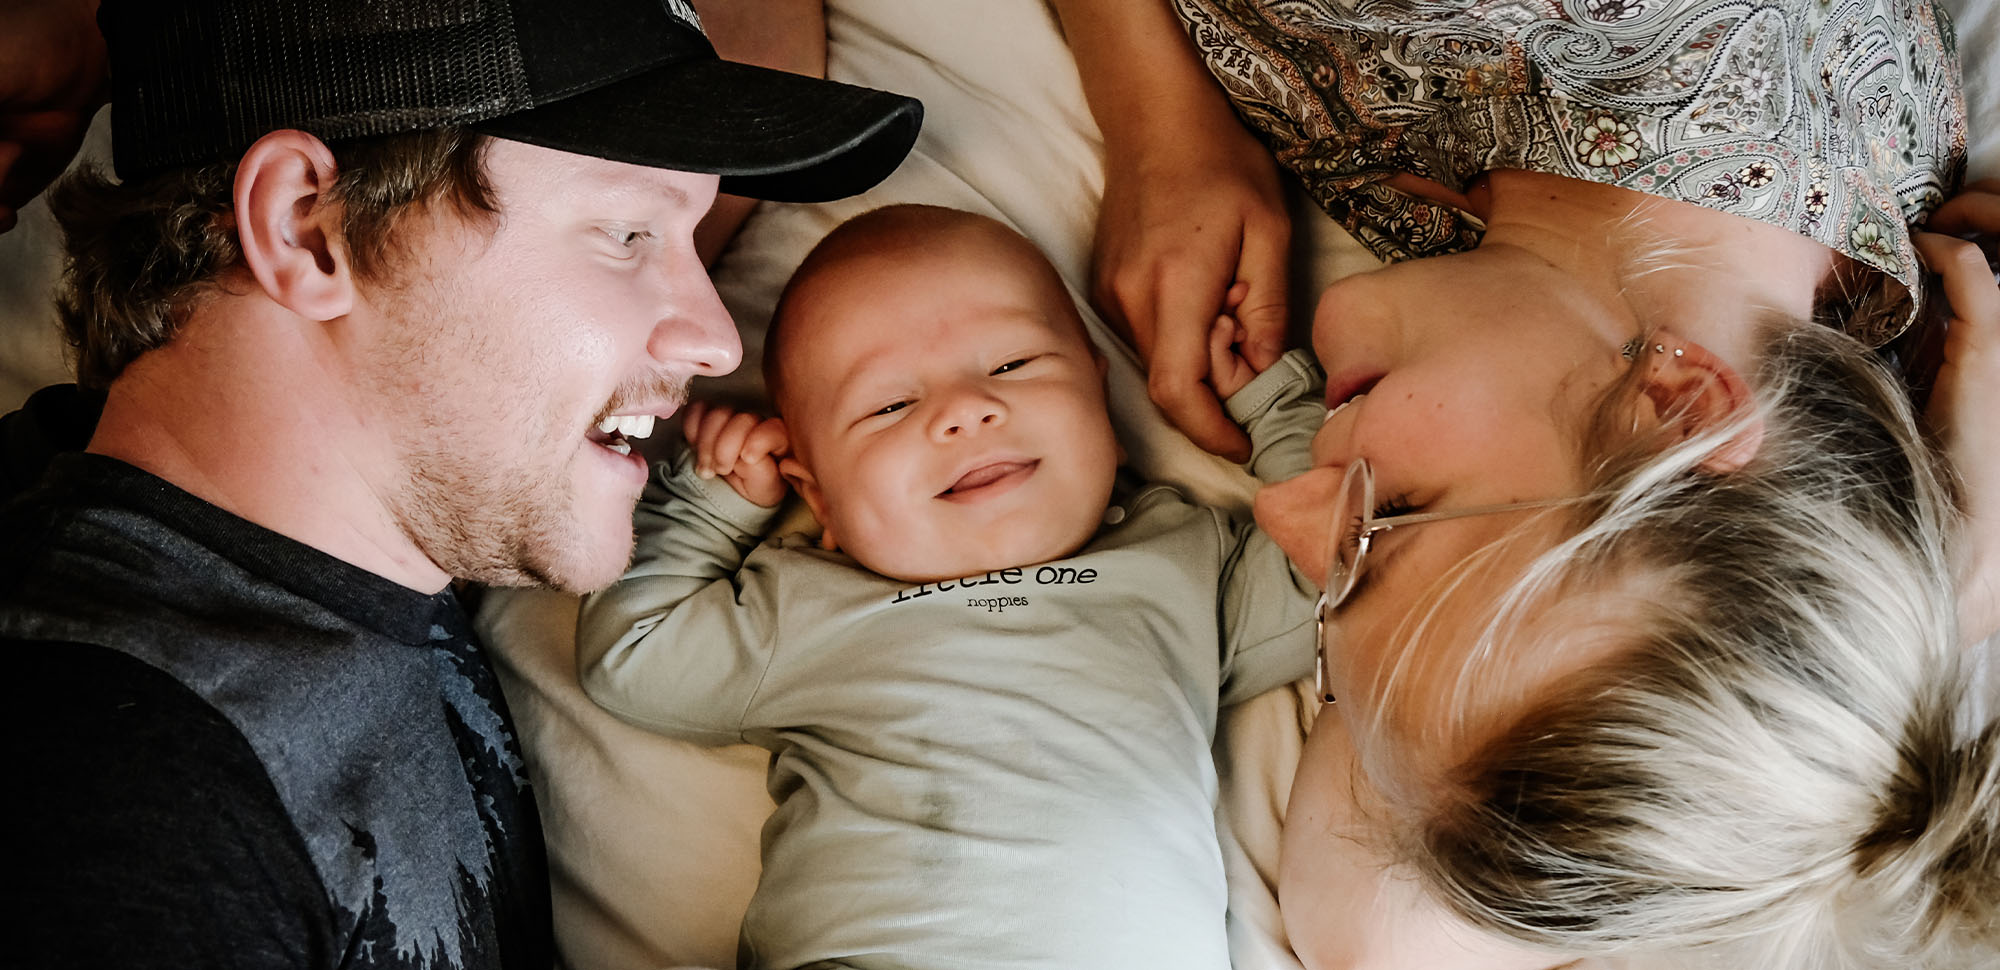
(1964, 408)
(1191, 207)
(52, 80)
(786, 35)
(144, 831)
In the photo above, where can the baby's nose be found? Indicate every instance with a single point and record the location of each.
(972, 412)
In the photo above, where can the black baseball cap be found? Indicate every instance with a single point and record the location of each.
(197, 81)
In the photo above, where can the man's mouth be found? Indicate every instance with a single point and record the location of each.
(991, 478)
(616, 432)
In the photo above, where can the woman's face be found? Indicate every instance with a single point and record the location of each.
(1467, 380)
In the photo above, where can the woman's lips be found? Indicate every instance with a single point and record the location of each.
(1349, 386)
(990, 479)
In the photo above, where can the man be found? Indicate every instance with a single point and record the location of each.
(382, 297)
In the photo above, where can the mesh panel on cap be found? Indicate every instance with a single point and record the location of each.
(337, 70)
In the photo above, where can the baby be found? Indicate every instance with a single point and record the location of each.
(990, 688)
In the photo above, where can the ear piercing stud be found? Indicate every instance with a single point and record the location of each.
(1630, 350)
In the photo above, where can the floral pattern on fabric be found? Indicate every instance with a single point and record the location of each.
(1842, 120)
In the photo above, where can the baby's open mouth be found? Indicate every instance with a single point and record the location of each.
(996, 473)
(616, 432)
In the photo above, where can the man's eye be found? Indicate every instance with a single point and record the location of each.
(1012, 365)
(889, 409)
(628, 237)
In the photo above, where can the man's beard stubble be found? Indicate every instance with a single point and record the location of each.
(481, 520)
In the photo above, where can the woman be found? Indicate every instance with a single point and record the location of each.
(1696, 701)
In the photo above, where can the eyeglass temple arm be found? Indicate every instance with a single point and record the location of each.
(1418, 518)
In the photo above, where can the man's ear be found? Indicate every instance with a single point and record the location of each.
(1688, 390)
(289, 231)
(802, 481)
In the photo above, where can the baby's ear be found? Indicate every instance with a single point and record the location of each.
(802, 481)
(1688, 390)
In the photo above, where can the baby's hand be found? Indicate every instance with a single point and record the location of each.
(1964, 408)
(741, 447)
(1228, 370)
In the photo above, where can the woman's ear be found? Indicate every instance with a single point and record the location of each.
(1687, 390)
(288, 228)
(802, 481)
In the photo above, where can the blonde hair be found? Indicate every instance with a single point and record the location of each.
(1772, 769)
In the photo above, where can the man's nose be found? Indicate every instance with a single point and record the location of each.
(967, 411)
(695, 333)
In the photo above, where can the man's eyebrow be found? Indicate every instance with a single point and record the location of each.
(627, 189)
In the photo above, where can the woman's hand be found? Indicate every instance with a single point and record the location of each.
(742, 448)
(1192, 209)
(1180, 227)
(1964, 409)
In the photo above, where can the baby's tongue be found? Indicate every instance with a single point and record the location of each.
(987, 475)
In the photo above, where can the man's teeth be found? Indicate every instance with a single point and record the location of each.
(619, 445)
(629, 425)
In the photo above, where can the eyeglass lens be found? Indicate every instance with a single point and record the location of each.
(1353, 511)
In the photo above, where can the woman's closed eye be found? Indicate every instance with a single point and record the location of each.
(1394, 505)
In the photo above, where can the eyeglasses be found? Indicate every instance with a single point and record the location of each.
(1354, 529)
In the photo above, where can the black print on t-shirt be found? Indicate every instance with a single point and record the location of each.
(1050, 575)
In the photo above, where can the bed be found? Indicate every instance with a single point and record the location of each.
(653, 843)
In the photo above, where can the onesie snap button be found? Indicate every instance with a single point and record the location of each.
(1114, 515)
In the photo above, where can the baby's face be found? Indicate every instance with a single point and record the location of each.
(949, 408)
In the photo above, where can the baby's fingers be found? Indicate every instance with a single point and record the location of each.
(1228, 372)
(691, 420)
(725, 449)
(702, 426)
(756, 476)
(768, 439)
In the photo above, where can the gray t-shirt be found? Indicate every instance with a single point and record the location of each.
(1006, 770)
(230, 749)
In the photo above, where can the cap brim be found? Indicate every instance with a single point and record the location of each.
(769, 134)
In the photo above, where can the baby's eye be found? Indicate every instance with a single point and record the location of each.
(889, 409)
(1012, 365)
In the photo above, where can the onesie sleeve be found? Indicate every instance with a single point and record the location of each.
(1282, 410)
(1266, 603)
(679, 644)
